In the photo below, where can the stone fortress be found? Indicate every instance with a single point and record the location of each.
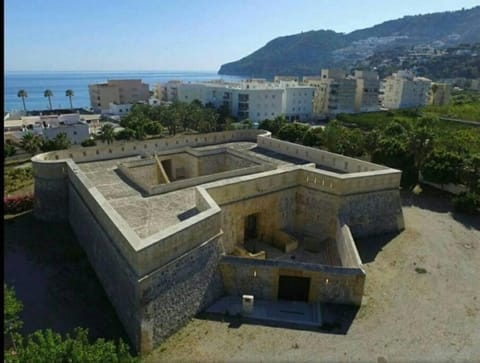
(171, 225)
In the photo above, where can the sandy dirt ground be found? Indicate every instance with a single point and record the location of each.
(406, 316)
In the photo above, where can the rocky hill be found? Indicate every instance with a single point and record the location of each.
(306, 53)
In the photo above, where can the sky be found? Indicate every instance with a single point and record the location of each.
(194, 35)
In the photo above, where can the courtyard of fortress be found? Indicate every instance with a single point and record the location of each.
(172, 225)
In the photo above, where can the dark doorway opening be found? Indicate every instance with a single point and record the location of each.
(167, 166)
(250, 231)
(293, 288)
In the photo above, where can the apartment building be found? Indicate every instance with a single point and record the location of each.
(117, 92)
(439, 94)
(255, 99)
(334, 92)
(367, 91)
(404, 90)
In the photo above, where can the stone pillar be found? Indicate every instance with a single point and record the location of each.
(51, 191)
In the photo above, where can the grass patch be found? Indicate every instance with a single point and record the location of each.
(420, 270)
(16, 178)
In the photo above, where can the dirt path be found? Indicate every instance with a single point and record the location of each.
(407, 315)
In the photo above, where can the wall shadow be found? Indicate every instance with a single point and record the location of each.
(336, 319)
(130, 183)
(369, 247)
(53, 278)
(438, 201)
(430, 198)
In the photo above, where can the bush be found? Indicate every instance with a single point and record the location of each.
(88, 142)
(9, 150)
(153, 128)
(468, 203)
(49, 346)
(125, 134)
(18, 204)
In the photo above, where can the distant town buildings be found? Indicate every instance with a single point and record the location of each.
(404, 90)
(117, 92)
(49, 126)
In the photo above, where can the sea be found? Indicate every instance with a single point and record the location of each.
(35, 83)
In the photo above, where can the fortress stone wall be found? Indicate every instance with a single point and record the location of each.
(158, 279)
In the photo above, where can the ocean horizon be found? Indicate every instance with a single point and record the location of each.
(36, 82)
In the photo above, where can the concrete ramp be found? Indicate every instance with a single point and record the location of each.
(281, 311)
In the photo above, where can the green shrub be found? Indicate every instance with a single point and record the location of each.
(9, 150)
(468, 203)
(125, 134)
(88, 142)
(153, 128)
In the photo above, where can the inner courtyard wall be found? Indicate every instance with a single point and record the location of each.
(260, 278)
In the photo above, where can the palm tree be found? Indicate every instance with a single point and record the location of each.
(48, 93)
(107, 134)
(31, 142)
(22, 93)
(69, 93)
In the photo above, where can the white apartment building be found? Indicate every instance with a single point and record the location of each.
(367, 91)
(117, 92)
(255, 99)
(404, 90)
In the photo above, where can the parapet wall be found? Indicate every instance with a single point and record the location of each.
(129, 148)
(320, 157)
(346, 246)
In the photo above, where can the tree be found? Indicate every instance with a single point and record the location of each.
(23, 94)
(31, 143)
(274, 125)
(125, 134)
(292, 132)
(421, 140)
(153, 128)
(442, 167)
(313, 137)
(107, 134)
(393, 150)
(48, 93)
(61, 141)
(49, 346)
(69, 93)
(12, 307)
